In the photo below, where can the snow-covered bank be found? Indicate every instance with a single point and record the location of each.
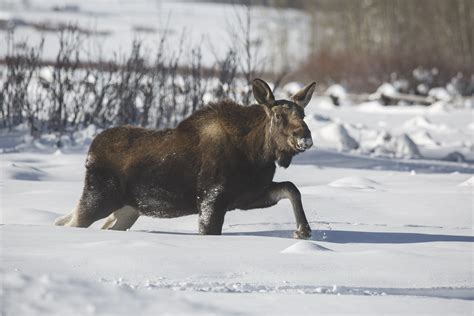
(371, 129)
(392, 231)
(384, 241)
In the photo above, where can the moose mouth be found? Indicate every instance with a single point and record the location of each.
(300, 148)
(302, 144)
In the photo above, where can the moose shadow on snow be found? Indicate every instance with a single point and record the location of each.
(345, 236)
(363, 237)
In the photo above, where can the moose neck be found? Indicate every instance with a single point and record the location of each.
(258, 144)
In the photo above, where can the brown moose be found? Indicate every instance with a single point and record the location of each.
(219, 159)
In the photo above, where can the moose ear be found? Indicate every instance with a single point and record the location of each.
(262, 92)
(303, 96)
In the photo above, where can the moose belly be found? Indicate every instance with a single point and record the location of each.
(158, 202)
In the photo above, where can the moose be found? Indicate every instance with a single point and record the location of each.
(222, 157)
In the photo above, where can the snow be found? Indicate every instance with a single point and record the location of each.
(337, 91)
(390, 236)
(405, 147)
(114, 24)
(393, 131)
(468, 183)
(424, 123)
(337, 135)
(387, 90)
(440, 94)
(423, 138)
(305, 247)
(355, 183)
(292, 88)
(388, 192)
(68, 296)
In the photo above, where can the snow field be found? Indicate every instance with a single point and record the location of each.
(383, 240)
(392, 222)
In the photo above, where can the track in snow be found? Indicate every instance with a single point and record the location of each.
(462, 293)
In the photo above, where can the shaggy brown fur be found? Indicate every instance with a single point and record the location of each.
(219, 159)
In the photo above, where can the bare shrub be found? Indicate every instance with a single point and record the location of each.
(21, 66)
(64, 87)
(69, 93)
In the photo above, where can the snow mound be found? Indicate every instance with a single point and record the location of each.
(468, 183)
(380, 140)
(360, 183)
(422, 89)
(337, 94)
(337, 91)
(440, 94)
(401, 146)
(424, 138)
(439, 107)
(404, 147)
(46, 74)
(305, 247)
(337, 135)
(387, 90)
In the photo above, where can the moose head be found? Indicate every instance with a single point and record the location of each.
(287, 132)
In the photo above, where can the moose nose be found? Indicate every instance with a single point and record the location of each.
(305, 143)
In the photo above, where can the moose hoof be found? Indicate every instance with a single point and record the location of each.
(209, 231)
(303, 232)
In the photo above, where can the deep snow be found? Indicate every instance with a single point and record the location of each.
(389, 235)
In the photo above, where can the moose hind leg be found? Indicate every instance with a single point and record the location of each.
(284, 190)
(101, 196)
(63, 220)
(121, 219)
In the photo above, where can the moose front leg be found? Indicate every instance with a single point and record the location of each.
(211, 215)
(285, 190)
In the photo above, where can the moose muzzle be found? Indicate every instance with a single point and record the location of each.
(304, 143)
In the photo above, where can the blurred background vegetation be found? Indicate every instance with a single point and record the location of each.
(410, 48)
(361, 43)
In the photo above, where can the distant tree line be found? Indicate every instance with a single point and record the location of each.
(362, 43)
